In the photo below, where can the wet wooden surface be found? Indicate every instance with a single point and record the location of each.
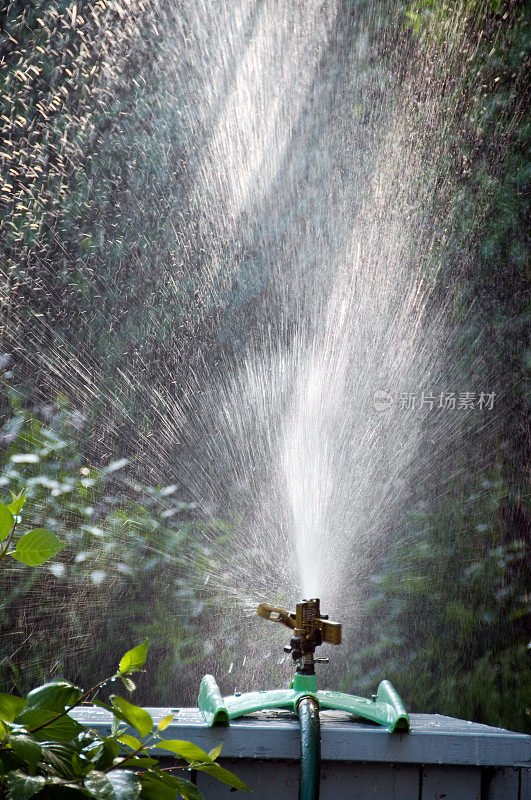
(441, 757)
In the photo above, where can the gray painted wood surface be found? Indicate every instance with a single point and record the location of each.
(501, 782)
(277, 780)
(440, 759)
(451, 783)
(433, 739)
(525, 784)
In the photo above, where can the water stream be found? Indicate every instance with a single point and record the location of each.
(294, 159)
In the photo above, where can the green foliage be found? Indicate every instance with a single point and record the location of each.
(136, 717)
(42, 746)
(33, 548)
(122, 536)
(431, 19)
(7, 522)
(80, 138)
(445, 617)
(36, 547)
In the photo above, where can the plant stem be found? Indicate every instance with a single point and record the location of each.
(126, 758)
(3, 551)
(81, 700)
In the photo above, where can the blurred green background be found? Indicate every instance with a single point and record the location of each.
(446, 614)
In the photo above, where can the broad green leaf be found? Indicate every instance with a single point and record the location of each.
(134, 715)
(10, 706)
(186, 750)
(63, 729)
(3, 731)
(134, 659)
(161, 786)
(130, 741)
(81, 766)
(153, 788)
(214, 753)
(89, 756)
(22, 787)
(118, 784)
(110, 751)
(26, 749)
(53, 696)
(188, 790)
(60, 755)
(36, 547)
(7, 520)
(165, 721)
(17, 504)
(224, 776)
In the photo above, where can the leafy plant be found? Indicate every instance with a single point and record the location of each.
(43, 747)
(447, 614)
(122, 535)
(446, 617)
(34, 547)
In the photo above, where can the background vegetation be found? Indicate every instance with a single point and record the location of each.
(126, 543)
(65, 165)
(465, 560)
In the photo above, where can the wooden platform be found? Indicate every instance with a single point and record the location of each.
(440, 759)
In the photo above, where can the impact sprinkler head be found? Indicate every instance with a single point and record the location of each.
(310, 629)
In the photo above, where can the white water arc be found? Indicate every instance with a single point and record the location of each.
(292, 175)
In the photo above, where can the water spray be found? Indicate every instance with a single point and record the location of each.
(310, 629)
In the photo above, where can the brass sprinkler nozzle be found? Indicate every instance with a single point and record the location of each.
(310, 630)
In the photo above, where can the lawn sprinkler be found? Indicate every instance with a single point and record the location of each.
(310, 629)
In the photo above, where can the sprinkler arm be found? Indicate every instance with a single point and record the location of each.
(266, 611)
(331, 631)
(310, 630)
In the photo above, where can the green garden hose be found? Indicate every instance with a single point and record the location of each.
(310, 766)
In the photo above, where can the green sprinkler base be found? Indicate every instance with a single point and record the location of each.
(385, 709)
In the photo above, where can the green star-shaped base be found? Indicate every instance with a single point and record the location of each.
(386, 709)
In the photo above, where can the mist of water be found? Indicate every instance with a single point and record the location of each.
(298, 176)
